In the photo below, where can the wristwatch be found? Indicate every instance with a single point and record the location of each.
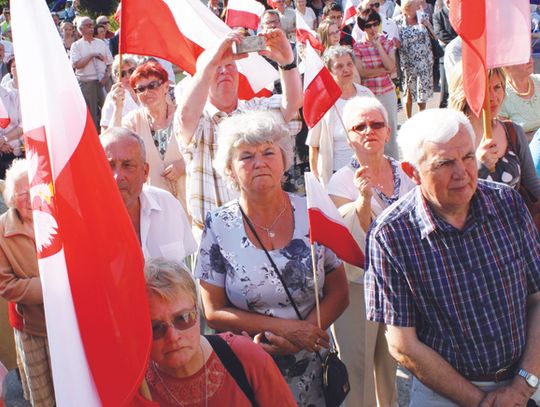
(531, 379)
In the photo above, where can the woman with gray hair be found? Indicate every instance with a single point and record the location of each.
(368, 184)
(328, 145)
(122, 98)
(20, 284)
(187, 368)
(255, 261)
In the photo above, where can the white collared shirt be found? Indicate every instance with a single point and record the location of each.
(165, 229)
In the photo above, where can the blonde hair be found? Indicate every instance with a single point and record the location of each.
(168, 279)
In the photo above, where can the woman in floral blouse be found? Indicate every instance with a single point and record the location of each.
(241, 290)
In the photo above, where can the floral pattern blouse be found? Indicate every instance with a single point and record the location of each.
(227, 258)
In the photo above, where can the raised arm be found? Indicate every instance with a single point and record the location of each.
(195, 95)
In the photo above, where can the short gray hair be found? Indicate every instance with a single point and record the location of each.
(359, 104)
(167, 279)
(336, 51)
(251, 128)
(81, 20)
(433, 125)
(118, 133)
(17, 170)
(126, 59)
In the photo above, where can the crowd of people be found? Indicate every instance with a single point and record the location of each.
(446, 208)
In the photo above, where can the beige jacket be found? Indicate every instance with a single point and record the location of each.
(350, 219)
(19, 273)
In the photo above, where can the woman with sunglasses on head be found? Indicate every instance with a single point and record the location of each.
(361, 191)
(186, 368)
(376, 61)
(153, 122)
(121, 99)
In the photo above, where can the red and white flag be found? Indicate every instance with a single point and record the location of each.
(349, 12)
(90, 261)
(326, 226)
(320, 89)
(4, 116)
(494, 33)
(244, 13)
(179, 31)
(305, 34)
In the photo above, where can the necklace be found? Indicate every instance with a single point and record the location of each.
(526, 93)
(169, 392)
(268, 229)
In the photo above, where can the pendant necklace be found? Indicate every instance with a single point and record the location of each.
(271, 234)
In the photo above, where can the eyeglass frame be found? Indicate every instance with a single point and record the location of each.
(127, 72)
(151, 86)
(164, 327)
(371, 125)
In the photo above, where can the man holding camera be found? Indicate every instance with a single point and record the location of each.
(211, 95)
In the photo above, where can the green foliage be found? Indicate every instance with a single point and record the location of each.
(95, 8)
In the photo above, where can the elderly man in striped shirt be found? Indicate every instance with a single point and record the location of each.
(453, 269)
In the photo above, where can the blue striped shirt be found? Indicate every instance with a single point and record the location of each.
(465, 291)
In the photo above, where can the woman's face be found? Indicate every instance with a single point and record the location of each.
(178, 350)
(342, 69)
(21, 198)
(151, 90)
(257, 167)
(67, 29)
(497, 92)
(333, 35)
(127, 71)
(101, 32)
(371, 29)
(366, 139)
(301, 5)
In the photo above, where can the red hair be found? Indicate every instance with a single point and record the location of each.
(147, 70)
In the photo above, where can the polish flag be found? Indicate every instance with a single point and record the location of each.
(305, 34)
(90, 261)
(320, 89)
(244, 13)
(4, 116)
(326, 226)
(179, 31)
(495, 33)
(349, 13)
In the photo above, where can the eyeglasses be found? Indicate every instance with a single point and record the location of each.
(180, 322)
(375, 5)
(128, 73)
(362, 127)
(151, 86)
(371, 25)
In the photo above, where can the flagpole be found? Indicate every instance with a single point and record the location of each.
(315, 281)
(314, 263)
(145, 390)
(486, 116)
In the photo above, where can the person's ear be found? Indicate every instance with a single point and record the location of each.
(411, 172)
(146, 171)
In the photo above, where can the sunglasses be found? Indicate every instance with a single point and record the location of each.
(180, 322)
(151, 86)
(371, 25)
(362, 127)
(128, 72)
(375, 5)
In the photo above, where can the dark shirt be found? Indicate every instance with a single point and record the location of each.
(442, 27)
(465, 291)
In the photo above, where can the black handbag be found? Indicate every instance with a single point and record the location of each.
(335, 377)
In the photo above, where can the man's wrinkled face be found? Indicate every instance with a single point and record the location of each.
(128, 166)
(447, 173)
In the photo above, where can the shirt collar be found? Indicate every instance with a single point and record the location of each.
(148, 203)
(479, 211)
(13, 225)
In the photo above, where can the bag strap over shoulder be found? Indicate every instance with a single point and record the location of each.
(232, 364)
(512, 135)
